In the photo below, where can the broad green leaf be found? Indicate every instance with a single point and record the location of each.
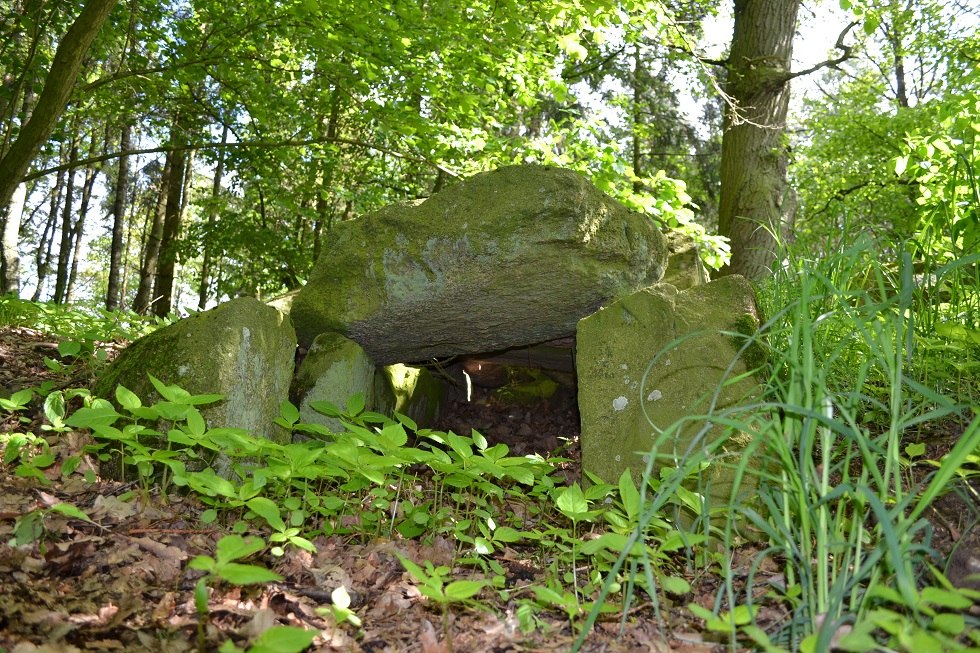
(571, 501)
(462, 590)
(70, 510)
(283, 639)
(675, 585)
(507, 534)
(239, 574)
(54, 407)
(949, 623)
(268, 510)
(234, 547)
(69, 348)
(355, 405)
(88, 417)
(169, 392)
(127, 398)
(629, 495)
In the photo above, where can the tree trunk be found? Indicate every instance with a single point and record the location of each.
(42, 256)
(151, 250)
(9, 254)
(163, 288)
(219, 172)
(64, 249)
(78, 231)
(113, 294)
(756, 205)
(51, 103)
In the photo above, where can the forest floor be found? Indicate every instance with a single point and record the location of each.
(121, 582)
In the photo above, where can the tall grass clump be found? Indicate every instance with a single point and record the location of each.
(828, 490)
(837, 506)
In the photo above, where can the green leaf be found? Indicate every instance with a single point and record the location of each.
(571, 501)
(202, 563)
(234, 547)
(462, 590)
(283, 639)
(268, 510)
(629, 495)
(88, 417)
(901, 164)
(951, 624)
(127, 398)
(69, 348)
(289, 412)
(54, 408)
(70, 510)
(239, 574)
(355, 405)
(915, 449)
(326, 408)
(675, 585)
(507, 534)
(951, 599)
(169, 392)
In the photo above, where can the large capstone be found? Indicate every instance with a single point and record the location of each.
(660, 356)
(504, 259)
(243, 349)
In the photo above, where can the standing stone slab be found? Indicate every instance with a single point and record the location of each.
(242, 349)
(504, 259)
(615, 348)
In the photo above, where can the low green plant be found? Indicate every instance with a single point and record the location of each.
(224, 566)
(432, 584)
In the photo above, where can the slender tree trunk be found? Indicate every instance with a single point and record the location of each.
(51, 103)
(64, 249)
(113, 294)
(324, 208)
(151, 250)
(78, 230)
(163, 288)
(219, 172)
(12, 217)
(756, 204)
(42, 255)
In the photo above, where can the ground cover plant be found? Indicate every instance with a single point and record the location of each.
(866, 426)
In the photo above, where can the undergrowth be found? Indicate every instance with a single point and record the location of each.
(832, 491)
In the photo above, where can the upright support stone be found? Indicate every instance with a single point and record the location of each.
(242, 349)
(659, 356)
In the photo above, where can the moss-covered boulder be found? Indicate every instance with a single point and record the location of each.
(337, 368)
(242, 349)
(504, 259)
(633, 383)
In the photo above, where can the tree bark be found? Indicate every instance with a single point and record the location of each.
(163, 287)
(51, 103)
(113, 295)
(756, 205)
(9, 254)
(64, 249)
(219, 171)
(151, 249)
(78, 230)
